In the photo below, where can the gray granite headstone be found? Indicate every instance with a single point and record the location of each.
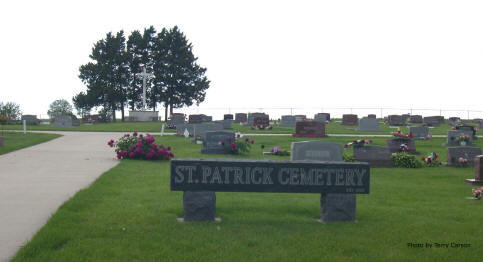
(225, 123)
(334, 207)
(252, 116)
(376, 156)
(180, 128)
(63, 121)
(206, 118)
(467, 128)
(432, 120)
(369, 124)
(212, 142)
(288, 121)
(199, 205)
(176, 118)
(395, 120)
(453, 121)
(452, 138)
(195, 119)
(241, 117)
(419, 132)
(300, 118)
(321, 117)
(30, 119)
(228, 117)
(467, 152)
(416, 119)
(201, 129)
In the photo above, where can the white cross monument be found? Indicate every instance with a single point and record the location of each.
(144, 75)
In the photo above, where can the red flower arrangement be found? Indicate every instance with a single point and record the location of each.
(399, 134)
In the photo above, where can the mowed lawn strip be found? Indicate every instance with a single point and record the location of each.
(129, 214)
(155, 127)
(16, 140)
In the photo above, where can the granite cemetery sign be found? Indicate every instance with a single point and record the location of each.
(368, 124)
(193, 176)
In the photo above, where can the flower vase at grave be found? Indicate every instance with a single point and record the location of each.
(462, 143)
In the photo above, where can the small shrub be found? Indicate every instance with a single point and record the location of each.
(237, 145)
(406, 160)
(140, 147)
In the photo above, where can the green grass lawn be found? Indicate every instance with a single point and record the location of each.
(16, 140)
(155, 127)
(129, 214)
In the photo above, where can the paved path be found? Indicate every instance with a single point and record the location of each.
(35, 181)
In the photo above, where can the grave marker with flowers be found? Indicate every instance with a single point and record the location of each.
(402, 143)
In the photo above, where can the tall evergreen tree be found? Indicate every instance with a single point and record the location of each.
(107, 77)
(180, 80)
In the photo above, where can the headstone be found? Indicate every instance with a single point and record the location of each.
(241, 117)
(143, 116)
(252, 116)
(321, 117)
(454, 121)
(478, 120)
(300, 118)
(419, 132)
(405, 117)
(478, 180)
(334, 207)
(416, 119)
(440, 119)
(201, 129)
(394, 145)
(195, 119)
(369, 124)
(349, 120)
(481, 124)
(432, 120)
(467, 152)
(376, 156)
(225, 123)
(261, 122)
(310, 129)
(288, 121)
(63, 121)
(206, 118)
(395, 120)
(371, 116)
(30, 119)
(228, 117)
(452, 138)
(471, 129)
(316, 150)
(212, 142)
(2, 140)
(91, 119)
(176, 118)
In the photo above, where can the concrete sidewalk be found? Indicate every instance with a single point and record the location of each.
(36, 181)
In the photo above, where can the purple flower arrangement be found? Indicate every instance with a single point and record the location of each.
(140, 147)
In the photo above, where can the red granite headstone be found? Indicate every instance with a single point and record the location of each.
(310, 129)
(349, 119)
(478, 172)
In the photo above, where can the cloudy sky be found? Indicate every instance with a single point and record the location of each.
(264, 54)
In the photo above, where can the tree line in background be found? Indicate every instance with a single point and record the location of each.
(112, 77)
(10, 110)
